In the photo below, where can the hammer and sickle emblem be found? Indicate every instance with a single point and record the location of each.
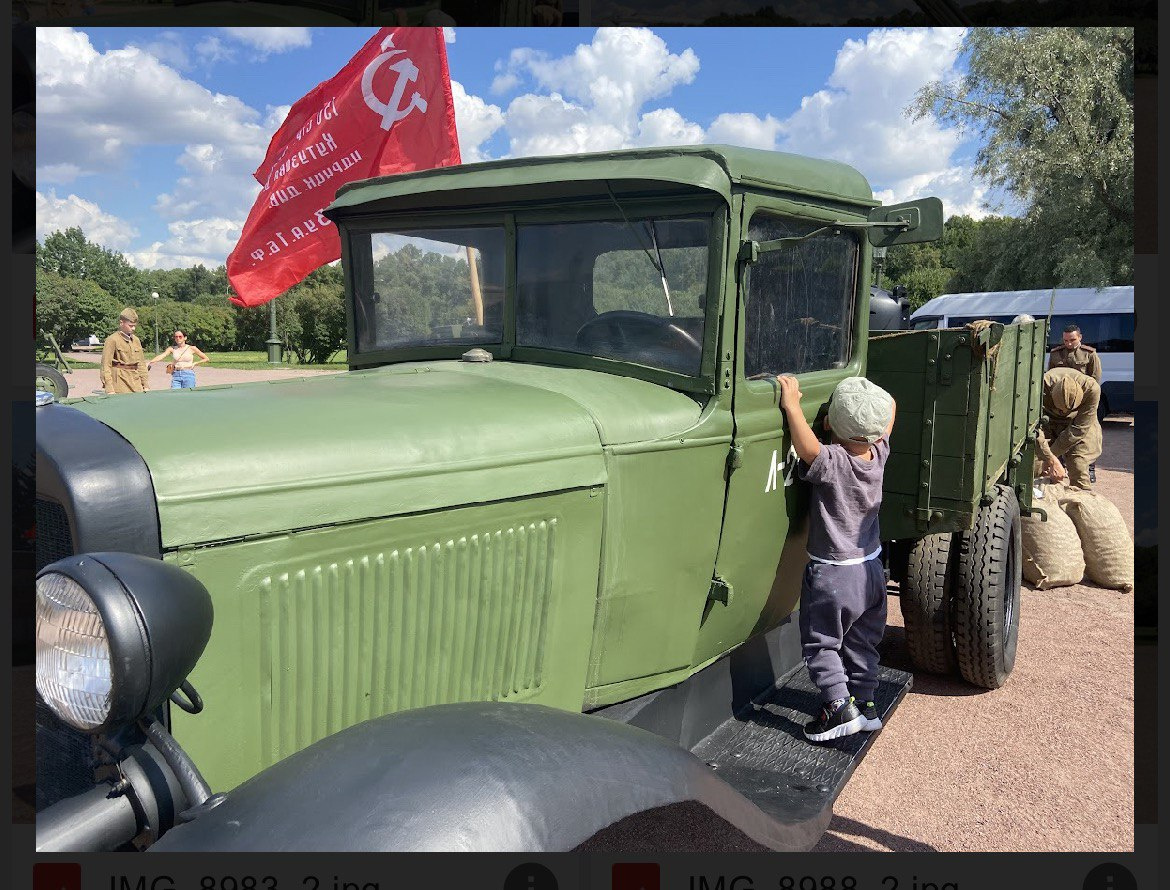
(407, 73)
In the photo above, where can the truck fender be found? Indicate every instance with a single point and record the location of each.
(484, 776)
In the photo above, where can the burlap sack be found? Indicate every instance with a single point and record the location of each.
(1105, 539)
(1052, 549)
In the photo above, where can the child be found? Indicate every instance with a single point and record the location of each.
(843, 595)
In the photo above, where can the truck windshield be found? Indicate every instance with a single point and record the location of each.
(595, 288)
(433, 287)
(590, 287)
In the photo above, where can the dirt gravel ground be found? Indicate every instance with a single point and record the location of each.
(1045, 763)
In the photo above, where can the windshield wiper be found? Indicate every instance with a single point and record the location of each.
(658, 265)
(661, 266)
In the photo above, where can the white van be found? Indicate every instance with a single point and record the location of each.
(1105, 316)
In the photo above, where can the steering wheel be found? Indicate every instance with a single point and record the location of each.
(641, 337)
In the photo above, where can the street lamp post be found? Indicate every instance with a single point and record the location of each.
(154, 298)
(273, 341)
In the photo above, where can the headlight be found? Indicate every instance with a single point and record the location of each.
(117, 633)
(73, 654)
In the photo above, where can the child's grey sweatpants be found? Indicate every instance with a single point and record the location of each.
(842, 620)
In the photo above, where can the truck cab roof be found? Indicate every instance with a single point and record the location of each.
(717, 169)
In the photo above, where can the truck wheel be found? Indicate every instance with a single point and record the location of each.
(49, 379)
(987, 592)
(925, 597)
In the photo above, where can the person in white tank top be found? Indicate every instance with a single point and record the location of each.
(183, 355)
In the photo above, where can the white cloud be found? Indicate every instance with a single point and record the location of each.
(748, 130)
(858, 118)
(448, 35)
(505, 83)
(168, 48)
(475, 121)
(58, 174)
(592, 99)
(94, 109)
(552, 125)
(665, 126)
(275, 116)
(212, 50)
(268, 41)
(616, 73)
(55, 214)
(204, 241)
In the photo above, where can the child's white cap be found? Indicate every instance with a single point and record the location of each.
(860, 409)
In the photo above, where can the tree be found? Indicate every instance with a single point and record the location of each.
(71, 309)
(1054, 107)
(320, 309)
(69, 253)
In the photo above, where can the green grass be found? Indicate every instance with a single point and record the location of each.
(258, 361)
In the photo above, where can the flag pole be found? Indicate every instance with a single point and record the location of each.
(476, 296)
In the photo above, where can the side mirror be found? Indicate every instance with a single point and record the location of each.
(913, 222)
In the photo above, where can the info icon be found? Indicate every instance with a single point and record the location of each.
(635, 876)
(1110, 876)
(530, 876)
(57, 876)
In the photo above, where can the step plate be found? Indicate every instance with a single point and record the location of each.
(764, 755)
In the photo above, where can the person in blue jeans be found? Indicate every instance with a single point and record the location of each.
(843, 593)
(183, 355)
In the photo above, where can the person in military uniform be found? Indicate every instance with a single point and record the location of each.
(1072, 353)
(1071, 433)
(123, 361)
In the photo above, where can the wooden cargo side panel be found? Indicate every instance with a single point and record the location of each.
(930, 479)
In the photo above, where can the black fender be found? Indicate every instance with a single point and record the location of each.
(101, 481)
(483, 776)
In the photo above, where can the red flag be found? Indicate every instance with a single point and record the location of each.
(389, 110)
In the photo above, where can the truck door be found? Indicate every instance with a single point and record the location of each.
(800, 312)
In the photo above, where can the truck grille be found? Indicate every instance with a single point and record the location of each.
(54, 540)
(64, 759)
(461, 620)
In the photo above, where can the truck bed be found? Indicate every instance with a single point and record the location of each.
(968, 411)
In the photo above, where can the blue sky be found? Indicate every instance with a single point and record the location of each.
(147, 138)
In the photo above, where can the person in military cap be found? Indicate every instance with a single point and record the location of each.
(123, 361)
(1071, 431)
(1072, 353)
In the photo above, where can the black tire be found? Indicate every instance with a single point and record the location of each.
(986, 593)
(49, 379)
(1102, 409)
(925, 598)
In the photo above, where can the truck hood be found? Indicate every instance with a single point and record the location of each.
(263, 458)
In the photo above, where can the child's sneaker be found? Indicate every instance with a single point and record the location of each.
(838, 718)
(872, 721)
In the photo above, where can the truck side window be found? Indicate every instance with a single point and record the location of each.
(799, 299)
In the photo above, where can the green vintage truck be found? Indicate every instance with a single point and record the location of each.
(530, 567)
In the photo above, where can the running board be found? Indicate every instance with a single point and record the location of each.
(763, 754)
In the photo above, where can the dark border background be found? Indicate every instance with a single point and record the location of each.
(887, 871)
